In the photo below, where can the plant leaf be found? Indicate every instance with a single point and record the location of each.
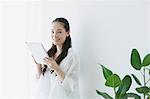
(148, 70)
(136, 79)
(143, 90)
(105, 95)
(148, 97)
(124, 86)
(106, 72)
(148, 94)
(146, 60)
(135, 59)
(113, 81)
(127, 95)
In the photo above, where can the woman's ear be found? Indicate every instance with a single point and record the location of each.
(68, 33)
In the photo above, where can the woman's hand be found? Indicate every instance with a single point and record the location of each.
(51, 63)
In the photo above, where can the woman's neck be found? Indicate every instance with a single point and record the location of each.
(59, 49)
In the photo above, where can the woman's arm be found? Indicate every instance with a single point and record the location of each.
(60, 73)
(39, 69)
(71, 80)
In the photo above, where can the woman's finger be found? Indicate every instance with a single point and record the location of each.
(48, 59)
(34, 60)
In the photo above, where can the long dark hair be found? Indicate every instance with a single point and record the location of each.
(67, 44)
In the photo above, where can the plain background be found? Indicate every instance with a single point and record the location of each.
(103, 31)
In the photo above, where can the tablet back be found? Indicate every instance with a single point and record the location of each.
(37, 51)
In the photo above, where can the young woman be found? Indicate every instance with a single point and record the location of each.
(59, 78)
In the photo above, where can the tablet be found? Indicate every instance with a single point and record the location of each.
(37, 51)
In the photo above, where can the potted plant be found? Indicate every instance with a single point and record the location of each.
(119, 86)
(142, 67)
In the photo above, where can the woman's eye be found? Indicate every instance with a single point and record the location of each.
(52, 32)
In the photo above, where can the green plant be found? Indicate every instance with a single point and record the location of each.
(142, 67)
(119, 86)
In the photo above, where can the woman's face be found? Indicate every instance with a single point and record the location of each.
(58, 33)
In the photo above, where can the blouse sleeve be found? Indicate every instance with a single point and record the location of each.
(71, 80)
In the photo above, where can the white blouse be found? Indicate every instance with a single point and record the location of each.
(50, 86)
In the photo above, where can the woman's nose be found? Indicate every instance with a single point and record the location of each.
(55, 35)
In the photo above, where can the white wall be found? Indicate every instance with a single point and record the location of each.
(102, 32)
(14, 64)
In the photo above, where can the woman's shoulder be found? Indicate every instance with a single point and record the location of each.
(73, 54)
